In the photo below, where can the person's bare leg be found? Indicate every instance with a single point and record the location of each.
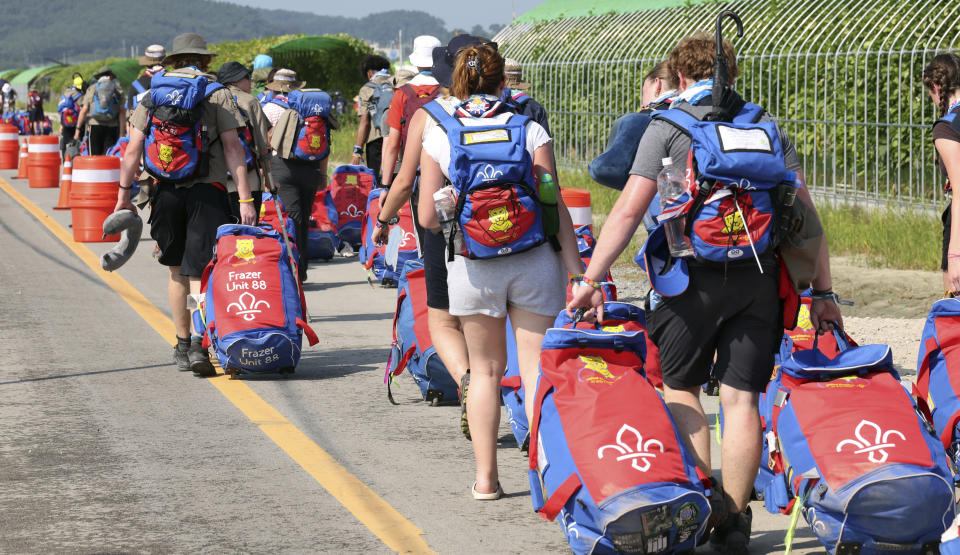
(447, 336)
(529, 329)
(177, 292)
(487, 349)
(684, 405)
(742, 446)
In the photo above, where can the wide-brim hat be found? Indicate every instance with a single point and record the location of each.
(444, 57)
(104, 70)
(153, 55)
(513, 71)
(423, 46)
(284, 81)
(667, 275)
(231, 72)
(189, 43)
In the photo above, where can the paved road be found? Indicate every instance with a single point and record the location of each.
(105, 447)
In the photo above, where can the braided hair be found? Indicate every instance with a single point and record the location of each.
(944, 72)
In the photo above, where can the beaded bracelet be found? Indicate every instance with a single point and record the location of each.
(590, 282)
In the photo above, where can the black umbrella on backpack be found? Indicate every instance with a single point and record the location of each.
(726, 102)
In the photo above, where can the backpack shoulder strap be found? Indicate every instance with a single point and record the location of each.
(212, 88)
(677, 117)
(751, 113)
(439, 115)
(139, 86)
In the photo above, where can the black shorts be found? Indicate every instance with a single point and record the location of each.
(733, 313)
(235, 204)
(36, 114)
(945, 218)
(184, 222)
(435, 270)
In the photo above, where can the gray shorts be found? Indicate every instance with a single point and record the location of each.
(535, 281)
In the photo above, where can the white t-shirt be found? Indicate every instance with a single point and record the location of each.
(435, 141)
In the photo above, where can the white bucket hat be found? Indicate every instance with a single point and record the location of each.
(422, 55)
(153, 55)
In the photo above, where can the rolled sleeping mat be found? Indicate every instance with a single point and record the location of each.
(129, 225)
(612, 168)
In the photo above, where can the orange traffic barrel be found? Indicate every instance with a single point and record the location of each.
(93, 196)
(66, 177)
(43, 161)
(22, 163)
(578, 202)
(9, 147)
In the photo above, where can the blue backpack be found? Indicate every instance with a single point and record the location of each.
(106, 101)
(313, 131)
(938, 373)
(737, 167)
(322, 240)
(607, 458)
(380, 104)
(134, 100)
(177, 147)
(245, 135)
(412, 349)
(252, 310)
(845, 445)
(67, 108)
(498, 206)
(267, 96)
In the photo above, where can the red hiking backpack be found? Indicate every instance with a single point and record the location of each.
(413, 101)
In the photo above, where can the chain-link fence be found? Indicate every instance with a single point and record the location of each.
(843, 77)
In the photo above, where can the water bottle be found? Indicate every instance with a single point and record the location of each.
(445, 202)
(548, 199)
(671, 184)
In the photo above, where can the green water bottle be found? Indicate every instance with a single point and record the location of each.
(548, 199)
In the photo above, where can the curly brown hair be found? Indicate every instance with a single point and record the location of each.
(183, 60)
(944, 72)
(694, 58)
(478, 69)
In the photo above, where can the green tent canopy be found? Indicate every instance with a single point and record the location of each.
(26, 76)
(566, 9)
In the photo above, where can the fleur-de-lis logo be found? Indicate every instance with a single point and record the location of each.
(174, 97)
(489, 173)
(875, 445)
(570, 525)
(316, 109)
(407, 237)
(248, 306)
(638, 453)
(351, 212)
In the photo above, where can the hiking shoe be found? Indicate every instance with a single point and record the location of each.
(200, 359)
(464, 387)
(732, 535)
(180, 354)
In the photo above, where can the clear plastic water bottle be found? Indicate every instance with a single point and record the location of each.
(671, 184)
(445, 201)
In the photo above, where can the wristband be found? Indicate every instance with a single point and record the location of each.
(125, 188)
(246, 199)
(358, 150)
(575, 278)
(587, 281)
(826, 295)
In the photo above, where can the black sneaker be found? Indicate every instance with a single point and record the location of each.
(732, 535)
(180, 352)
(200, 359)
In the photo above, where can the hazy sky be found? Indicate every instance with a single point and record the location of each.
(454, 13)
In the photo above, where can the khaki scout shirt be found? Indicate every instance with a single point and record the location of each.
(261, 127)
(88, 100)
(366, 94)
(220, 113)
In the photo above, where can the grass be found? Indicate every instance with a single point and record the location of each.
(901, 239)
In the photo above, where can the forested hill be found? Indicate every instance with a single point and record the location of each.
(36, 32)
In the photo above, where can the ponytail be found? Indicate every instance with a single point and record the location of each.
(477, 70)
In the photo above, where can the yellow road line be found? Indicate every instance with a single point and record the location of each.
(377, 515)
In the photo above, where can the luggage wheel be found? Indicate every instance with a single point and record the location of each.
(232, 372)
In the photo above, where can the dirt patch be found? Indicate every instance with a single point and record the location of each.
(890, 306)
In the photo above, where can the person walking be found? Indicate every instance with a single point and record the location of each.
(152, 63)
(941, 77)
(516, 95)
(375, 97)
(523, 276)
(103, 110)
(406, 100)
(282, 82)
(253, 137)
(729, 313)
(69, 110)
(185, 215)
